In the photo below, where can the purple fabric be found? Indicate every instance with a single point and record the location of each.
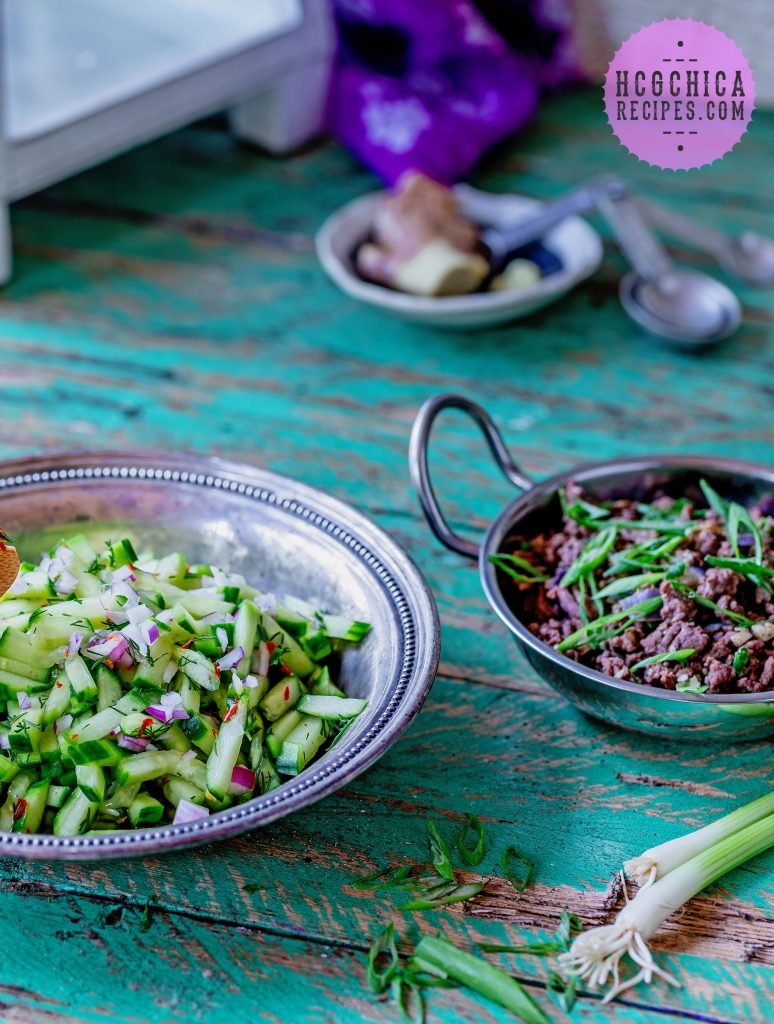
(429, 85)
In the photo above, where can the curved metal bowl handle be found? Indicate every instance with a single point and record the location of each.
(420, 473)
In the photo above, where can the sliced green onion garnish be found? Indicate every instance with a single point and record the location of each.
(382, 960)
(479, 975)
(516, 868)
(439, 854)
(408, 997)
(443, 896)
(593, 555)
(387, 878)
(715, 502)
(628, 584)
(656, 659)
(518, 568)
(472, 855)
(591, 633)
(741, 658)
(564, 990)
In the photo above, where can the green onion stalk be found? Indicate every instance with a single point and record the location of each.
(673, 873)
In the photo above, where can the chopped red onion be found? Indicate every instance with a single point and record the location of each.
(231, 659)
(133, 634)
(187, 812)
(643, 594)
(242, 780)
(265, 602)
(134, 743)
(113, 647)
(250, 682)
(171, 699)
(159, 713)
(5, 743)
(124, 572)
(150, 632)
(126, 660)
(63, 723)
(23, 700)
(222, 637)
(76, 639)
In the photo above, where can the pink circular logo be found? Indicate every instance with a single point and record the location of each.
(679, 94)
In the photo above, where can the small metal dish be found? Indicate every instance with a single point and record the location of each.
(270, 528)
(706, 718)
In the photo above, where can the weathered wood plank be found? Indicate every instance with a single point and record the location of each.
(159, 302)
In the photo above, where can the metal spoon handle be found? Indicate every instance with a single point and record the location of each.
(679, 226)
(514, 236)
(637, 241)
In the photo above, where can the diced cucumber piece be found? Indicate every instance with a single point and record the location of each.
(198, 668)
(291, 621)
(121, 553)
(81, 680)
(8, 768)
(34, 807)
(301, 744)
(11, 684)
(174, 738)
(145, 810)
(245, 633)
(108, 687)
(224, 754)
(57, 796)
(21, 647)
(58, 700)
(21, 668)
(266, 776)
(75, 816)
(194, 771)
(279, 730)
(330, 707)
(297, 661)
(316, 645)
(99, 725)
(281, 698)
(147, 765)
(324, 687)
(91, 780)
(177, 789)
(342, 628)
(103, 752)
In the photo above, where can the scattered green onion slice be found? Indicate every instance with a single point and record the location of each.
(564, 990)
(387, 878)
(741, 659)
(382, 948)
(439, 854)
(518, 568)
(569, 924)
(692, 685)
(593, 554)
(479, 975)
(715, 502)
(682, 655)
(593, 632)
(442, 897)
(516, 868)
(409, 999)
(628, 584)
(474, 855)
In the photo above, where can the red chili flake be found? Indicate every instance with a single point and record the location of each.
(163, 780)
(109, 663)
(230, 713)
(286, 695)
(287, 671)
(73, 735)
(217, 671)
(19, 808)
(271, 647)
(147, 723)
(187, 570)
(59, 686)
(187, 643)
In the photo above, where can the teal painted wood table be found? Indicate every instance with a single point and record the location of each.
(172, 299)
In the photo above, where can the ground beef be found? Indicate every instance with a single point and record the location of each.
(686, 620)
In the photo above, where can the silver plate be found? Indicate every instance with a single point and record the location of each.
(283, 535)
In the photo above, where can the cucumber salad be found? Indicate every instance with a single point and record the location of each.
(137, 691)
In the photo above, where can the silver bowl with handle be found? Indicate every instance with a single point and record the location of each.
(281, 535)
(705, 718)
